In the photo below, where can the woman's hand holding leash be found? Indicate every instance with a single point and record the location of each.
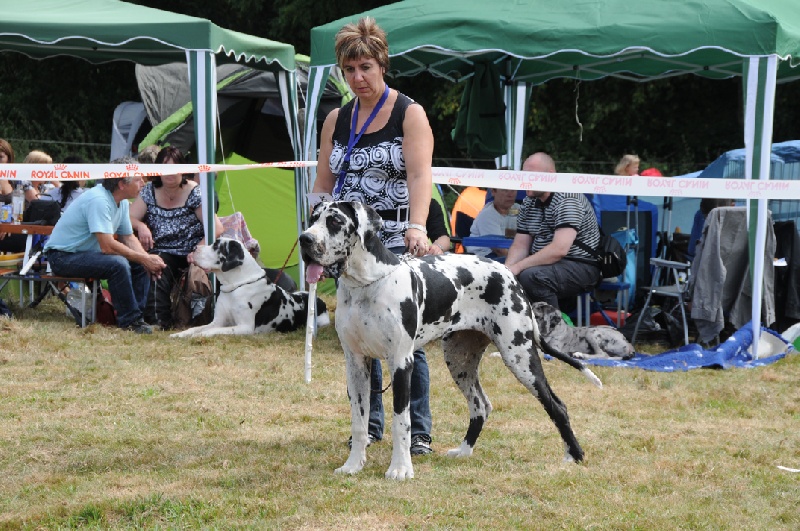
(416, 238)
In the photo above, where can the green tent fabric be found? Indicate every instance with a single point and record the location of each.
(534, 41)
(582, 39)
(249, 192)
(110, 30)
(480, 125)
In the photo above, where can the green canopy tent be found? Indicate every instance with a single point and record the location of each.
(101, 31)
(533, 41)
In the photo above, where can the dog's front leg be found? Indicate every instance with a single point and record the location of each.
(358, 388)
(595, 349)
(195, 331)
(220, 321)
(401, 467)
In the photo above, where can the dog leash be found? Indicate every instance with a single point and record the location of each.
(277, 278)
(380, 391)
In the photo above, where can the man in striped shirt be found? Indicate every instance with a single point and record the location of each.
(545, 255)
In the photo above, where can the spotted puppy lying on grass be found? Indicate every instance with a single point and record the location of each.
(582, 342)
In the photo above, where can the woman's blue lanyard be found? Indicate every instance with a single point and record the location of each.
(355, 138)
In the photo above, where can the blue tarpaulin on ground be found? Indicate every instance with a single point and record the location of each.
(729, 354)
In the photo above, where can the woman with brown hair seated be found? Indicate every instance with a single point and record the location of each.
(167, 217)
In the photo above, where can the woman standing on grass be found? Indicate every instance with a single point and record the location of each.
(379, 149)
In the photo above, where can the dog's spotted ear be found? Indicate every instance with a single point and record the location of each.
(232, 254)
(317, 209)
(373, 222)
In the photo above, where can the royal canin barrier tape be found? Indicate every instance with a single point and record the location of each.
(69, 172)
(508, 179)
(617, 185)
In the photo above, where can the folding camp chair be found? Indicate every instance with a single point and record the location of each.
(667, 284)
(596, 301)
(470, 201)
(623, 287)
(669, 274)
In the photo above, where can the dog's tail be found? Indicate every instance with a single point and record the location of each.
(569, 360)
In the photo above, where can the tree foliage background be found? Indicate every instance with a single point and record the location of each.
(65, 106)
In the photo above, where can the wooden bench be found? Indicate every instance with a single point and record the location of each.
(46, 279)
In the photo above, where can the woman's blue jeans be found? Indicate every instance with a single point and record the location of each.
(420, 398)
(128, 282)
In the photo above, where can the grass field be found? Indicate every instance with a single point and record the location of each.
(104, 429)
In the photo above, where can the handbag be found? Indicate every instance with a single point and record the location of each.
(610, 255)
(192, 299)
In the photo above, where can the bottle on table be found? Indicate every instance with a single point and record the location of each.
(17, 203)
(511, 221)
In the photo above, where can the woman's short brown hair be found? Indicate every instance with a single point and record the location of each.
(6, 148)
(362, 39)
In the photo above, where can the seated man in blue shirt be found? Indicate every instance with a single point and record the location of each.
(82, 245)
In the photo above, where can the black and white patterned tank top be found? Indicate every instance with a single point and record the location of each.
(175, 230)
(377, 173)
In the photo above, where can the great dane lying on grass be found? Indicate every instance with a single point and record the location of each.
(249, 302)
(388, 306)
(582, 342)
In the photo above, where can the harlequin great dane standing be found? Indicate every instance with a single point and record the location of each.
(388, 306)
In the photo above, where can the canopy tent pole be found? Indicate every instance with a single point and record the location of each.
(516, 96)
(287, 85)
(521, 97)
(759, 76)
(203, 77)
(317, 77)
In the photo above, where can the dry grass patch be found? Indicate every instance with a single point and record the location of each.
(105, 429)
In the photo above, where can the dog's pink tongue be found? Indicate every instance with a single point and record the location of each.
(313, 273)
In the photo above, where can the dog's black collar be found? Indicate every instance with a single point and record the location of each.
(237, 286)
